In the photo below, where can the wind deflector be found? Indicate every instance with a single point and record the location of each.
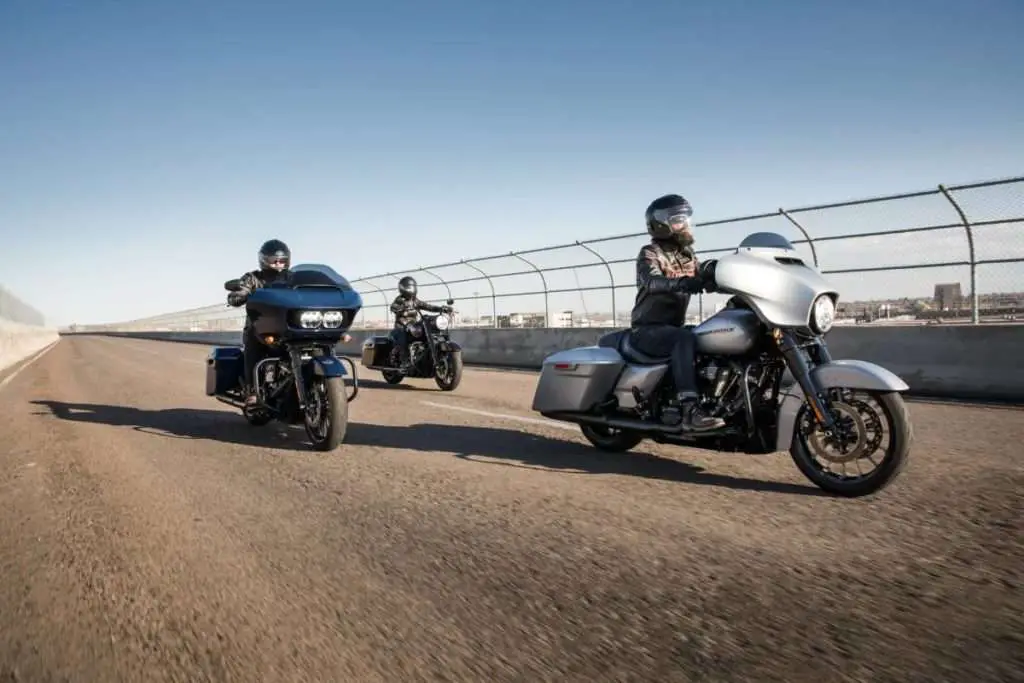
(309, 275)
(765, 240)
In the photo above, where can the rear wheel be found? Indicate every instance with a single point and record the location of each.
(868, 457)
(258, 417)
(395, 360)
(326, 419)
(392, 376)
(611, 439)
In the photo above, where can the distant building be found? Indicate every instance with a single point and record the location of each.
(526, 320)
(948, 297)
(562, 319)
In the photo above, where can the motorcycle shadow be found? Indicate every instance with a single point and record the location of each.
(509, 448)
(224, 426)
(404, 386)
(486, 445)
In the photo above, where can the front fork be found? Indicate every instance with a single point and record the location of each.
(300, 382)
(801, 370)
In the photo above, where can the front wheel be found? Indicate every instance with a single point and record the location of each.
(326, 419)
(448, 373)
(877, 430)
(610, 439)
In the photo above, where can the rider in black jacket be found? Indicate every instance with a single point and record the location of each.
(275, 261)
(404, 307)
(667, 275)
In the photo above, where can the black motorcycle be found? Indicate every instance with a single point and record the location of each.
(301, 379)
(431, 350)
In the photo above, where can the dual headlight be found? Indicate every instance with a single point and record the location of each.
(823, 314)
(311, 320)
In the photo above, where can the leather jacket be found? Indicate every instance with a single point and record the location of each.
(252, 281)
(404, 309)
(667, 275)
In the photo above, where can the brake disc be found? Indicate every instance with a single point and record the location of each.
(830, 448)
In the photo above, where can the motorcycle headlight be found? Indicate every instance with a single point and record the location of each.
(823, 315)
(333, 318)
(442, 322)
(311, 319)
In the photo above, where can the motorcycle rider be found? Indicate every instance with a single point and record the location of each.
(404, 307)
(667, 275)
(274, 266)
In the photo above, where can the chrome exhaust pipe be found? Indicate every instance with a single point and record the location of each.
(615, 422)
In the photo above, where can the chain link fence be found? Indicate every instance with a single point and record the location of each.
(14, 309)
(946, 255)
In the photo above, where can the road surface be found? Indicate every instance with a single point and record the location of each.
(149, 534)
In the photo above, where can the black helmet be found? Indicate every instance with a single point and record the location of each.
(275, 255)
(668, 218)
(407, 287)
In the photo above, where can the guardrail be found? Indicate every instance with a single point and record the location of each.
(949, 361)
(969, 231)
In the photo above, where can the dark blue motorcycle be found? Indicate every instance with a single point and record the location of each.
(301, 379)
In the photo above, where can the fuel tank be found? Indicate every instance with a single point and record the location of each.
(730, 332)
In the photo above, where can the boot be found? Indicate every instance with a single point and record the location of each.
(693, 416)
(406, 363)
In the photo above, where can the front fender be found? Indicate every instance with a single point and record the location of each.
(449, 345)
(328, 366)
(857, 374)
(846, 374)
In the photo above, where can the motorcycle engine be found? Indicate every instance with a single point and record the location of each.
(416, 351)
(717, 378)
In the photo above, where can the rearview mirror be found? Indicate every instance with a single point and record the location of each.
(233, 285)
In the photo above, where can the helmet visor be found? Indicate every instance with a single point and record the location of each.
(278, 262)
(677, 218)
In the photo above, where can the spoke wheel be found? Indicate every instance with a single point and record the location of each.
(326, 418)
(868, 451)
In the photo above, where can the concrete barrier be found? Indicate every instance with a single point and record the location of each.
(961, 361)
(19, 341)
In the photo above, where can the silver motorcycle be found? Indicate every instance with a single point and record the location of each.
(762, 365)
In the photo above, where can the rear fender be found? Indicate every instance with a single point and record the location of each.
(845, 374)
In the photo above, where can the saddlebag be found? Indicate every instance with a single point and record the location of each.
(224, 368)
(578, 379)
(376, 351)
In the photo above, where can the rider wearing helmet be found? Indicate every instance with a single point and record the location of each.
(404, 307)
(274, 266)
(667, 274)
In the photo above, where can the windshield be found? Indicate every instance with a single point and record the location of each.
(765, 240)
(316, 275)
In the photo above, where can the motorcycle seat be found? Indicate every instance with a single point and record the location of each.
(620, 342)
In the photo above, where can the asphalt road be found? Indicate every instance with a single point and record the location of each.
(150, 534)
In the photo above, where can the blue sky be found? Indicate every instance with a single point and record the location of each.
(147, 149)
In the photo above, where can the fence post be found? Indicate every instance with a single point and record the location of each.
(814, 252)
(439, 279)
(543, 283)
(975, 313)
(494, 296)
(387, 306)
(611, 278)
